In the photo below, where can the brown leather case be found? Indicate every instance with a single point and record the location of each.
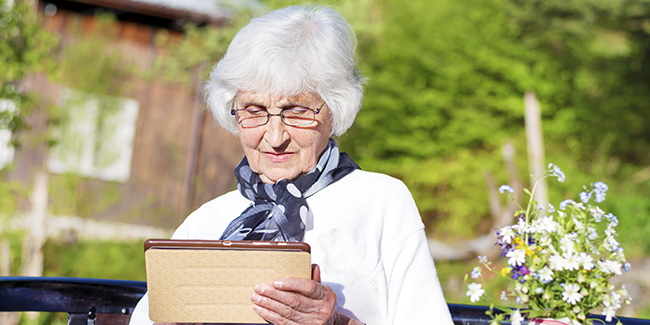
(211, 281)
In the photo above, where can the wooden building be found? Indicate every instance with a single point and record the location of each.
(166, 154)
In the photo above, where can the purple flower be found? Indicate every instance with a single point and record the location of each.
(523, 270)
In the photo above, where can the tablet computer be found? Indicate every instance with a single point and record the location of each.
(211, 281)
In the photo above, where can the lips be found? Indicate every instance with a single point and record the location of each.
(277, 157)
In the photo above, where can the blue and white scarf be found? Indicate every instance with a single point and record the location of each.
(279, 211)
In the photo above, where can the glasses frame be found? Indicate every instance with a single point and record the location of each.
(233, 111)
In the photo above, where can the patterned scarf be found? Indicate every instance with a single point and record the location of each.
(279, 211)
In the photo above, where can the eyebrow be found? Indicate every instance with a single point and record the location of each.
(287, 105)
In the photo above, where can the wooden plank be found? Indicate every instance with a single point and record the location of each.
(219, 153)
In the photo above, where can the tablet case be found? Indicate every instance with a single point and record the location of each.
(212, 281)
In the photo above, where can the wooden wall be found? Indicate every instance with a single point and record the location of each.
(180, 160)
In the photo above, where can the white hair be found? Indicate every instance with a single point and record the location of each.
(291, 51)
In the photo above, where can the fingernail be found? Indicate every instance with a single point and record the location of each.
(255, 297)
(256, 308)
(277, 284)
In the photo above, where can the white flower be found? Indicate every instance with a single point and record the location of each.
(507, 234)
(567, 244)
(611, 244)
(611, 305)
(579, 225)
(523, 227)
(571, 293)
(506, 188)
(616, 300)
(609, 312)
(516, 318)
(571, 261)
(482, 259)
(610, 266)
(586, 261)
(517, 257)
(474, 292)
(504, 297)
(556, 262)
(546, 275)
(545, 224)
(610, 231)
(597, 213)
(539, 290)
(476, 273)
(545, 241)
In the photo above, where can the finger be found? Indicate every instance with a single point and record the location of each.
(289, 299)
(270, 316)
(315, 272)
(306, 287)
(274, 307)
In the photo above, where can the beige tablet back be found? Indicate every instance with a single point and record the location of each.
(214, 285)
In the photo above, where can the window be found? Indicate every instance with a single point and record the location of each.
(95, 137)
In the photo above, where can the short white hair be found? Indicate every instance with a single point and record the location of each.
(290, 51)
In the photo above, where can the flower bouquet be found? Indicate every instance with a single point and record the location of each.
(559, 261)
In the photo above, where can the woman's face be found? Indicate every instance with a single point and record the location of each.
(276, 150)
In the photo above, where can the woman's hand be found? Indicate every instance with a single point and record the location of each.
(296, 301)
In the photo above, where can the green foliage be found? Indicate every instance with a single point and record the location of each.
(73, 195)
(184, 57)
(24, 49)
(446, 86)
(95, 259)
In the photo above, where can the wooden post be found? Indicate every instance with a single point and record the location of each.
(194, 143)
(36, 234)
(535, 146)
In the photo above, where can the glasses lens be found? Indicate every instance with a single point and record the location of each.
(251, 117)
(298, 116)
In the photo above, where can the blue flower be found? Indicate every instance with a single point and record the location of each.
(599, 189)
(613, 220)
(555, 171)
(585, 196)
(626, 267)
(600, 186)
(506, 188)
(551, 208)
(564, 203)
(592, 233)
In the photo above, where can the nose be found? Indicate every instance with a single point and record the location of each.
(276, 133)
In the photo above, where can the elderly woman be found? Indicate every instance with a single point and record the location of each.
(288, 83)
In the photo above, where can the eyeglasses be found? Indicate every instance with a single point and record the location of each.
(252, 117)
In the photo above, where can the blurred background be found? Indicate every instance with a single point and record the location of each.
(104, 139)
